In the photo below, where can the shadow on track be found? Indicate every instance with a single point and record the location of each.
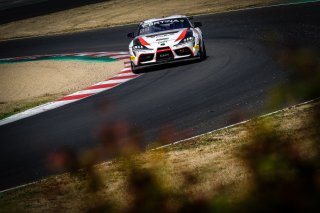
(170, 65)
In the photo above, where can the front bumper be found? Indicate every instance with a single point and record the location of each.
(159, 63)
(162, 55)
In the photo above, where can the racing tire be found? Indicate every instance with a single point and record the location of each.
(134, 69)
(203, 52)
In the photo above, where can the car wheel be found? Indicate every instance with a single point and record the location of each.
(203, 52)
(134, 69)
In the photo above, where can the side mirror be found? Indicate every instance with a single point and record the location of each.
(190, 17)
(130, 35)
(197, 24)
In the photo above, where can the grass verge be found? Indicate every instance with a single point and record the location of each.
(11, 108)
(214, 160)
(27, 84)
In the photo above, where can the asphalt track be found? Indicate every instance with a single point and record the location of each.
(193, 98)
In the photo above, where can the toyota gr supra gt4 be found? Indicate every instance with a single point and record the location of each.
(165, 40)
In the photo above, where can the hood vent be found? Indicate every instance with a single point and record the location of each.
(164, 33)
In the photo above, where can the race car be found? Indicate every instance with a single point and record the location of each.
(165, 40)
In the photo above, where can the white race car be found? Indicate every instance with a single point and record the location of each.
(165, 40)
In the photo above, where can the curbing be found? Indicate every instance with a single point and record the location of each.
(123, 76)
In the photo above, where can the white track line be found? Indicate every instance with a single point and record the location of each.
(257, 7)
(203, 14)
(34, 111)
(88, 91)
(233, 125)
(181, 141)
(126, 74)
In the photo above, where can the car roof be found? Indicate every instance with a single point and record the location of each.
(163, 18)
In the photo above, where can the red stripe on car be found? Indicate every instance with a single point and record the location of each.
(143, 42)
(182, 35)
(164, 50)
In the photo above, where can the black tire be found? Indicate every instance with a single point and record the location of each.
(134, 69)
(203, 52)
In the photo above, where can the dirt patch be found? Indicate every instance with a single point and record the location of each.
(115, 12)
(21, 83)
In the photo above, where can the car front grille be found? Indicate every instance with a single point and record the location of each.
(164, 54)
(146, 57)
(183, 51)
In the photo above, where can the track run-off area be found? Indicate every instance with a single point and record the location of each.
(194, 98)
(123, 76)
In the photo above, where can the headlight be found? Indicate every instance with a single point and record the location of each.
(189, 39)
(186, 40)
(139, 47)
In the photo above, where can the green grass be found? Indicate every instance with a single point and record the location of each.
(60, 58)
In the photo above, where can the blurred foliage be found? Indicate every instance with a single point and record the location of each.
(303, 66)
(285, 169)
(286, 173)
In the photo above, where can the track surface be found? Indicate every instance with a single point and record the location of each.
(196, 98)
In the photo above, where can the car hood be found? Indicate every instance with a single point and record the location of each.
(163, 37)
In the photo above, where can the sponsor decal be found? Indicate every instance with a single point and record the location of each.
(165, 21)
(162, 39)
(164, 55)
(132, 58)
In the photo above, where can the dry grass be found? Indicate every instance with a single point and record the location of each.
(116, 12)
(10, 108)
(212, 158)
(28, 84)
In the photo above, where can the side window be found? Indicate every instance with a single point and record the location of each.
(188, 23)
(139, 30)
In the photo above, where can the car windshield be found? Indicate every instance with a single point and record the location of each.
(163, 25)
